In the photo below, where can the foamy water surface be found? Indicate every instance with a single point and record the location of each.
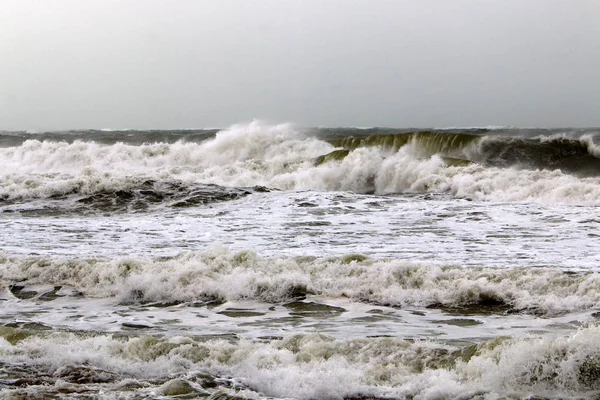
(235, 265)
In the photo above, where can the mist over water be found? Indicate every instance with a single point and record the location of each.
(271, 261)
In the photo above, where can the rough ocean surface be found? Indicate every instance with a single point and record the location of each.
(269, 261)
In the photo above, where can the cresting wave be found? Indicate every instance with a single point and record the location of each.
(222, 275)
(480, 165)
(299, 366)
(572, 155)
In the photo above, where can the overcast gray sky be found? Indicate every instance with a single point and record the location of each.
(211, 63)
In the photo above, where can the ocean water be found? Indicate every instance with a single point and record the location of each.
(270, 261)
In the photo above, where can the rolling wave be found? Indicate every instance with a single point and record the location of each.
(498, 165)
(301, 366)
(579, 156)
(223, 275)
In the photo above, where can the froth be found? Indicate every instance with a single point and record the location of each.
(226, 275)
(316, 366)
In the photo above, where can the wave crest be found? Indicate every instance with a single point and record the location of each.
(479, 166)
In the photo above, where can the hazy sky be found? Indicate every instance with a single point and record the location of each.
(211, 63)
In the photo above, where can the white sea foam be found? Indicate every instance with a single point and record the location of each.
(243, 275)
(593, 147)
(316, 366)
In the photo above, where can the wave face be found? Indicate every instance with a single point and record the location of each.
(576, 155)
(499, 165)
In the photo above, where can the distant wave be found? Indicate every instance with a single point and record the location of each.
(532, 166)
(485, 127)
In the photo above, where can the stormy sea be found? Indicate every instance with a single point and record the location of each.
(272, 261)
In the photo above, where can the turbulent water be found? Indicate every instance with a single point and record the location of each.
(268, 261)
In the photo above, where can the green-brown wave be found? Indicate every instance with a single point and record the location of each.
(427, 141)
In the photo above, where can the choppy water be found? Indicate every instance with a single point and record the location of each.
(275, 262)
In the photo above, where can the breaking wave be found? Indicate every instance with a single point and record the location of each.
(305, 366)
(580, 156)
(476, 164)
(223, 275)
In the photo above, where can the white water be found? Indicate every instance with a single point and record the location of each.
(468, 282)
(317, 366)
